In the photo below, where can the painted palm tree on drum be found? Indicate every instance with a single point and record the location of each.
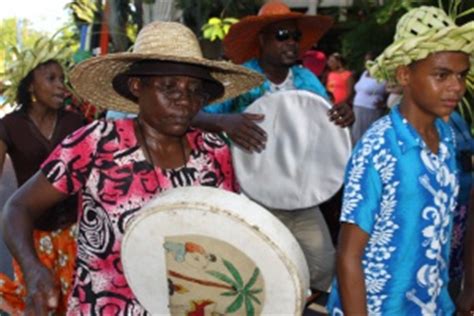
(245, 293)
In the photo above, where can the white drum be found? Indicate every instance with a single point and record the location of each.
(305, 156)
(204, 250)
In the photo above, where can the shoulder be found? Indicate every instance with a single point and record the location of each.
(379, 138)
(206, 141)
(73, 117)
(70, 121)
(93, 132)
(253, 65)
(13, 117)
(302, 70)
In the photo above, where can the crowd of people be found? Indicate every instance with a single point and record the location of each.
(405, 241)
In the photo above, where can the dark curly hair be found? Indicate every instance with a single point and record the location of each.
(23, 96)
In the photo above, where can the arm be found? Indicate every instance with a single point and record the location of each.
(240, 127)
(350, 276)
(465, 300)
(342, 114)
(350, 89)
(28, 203)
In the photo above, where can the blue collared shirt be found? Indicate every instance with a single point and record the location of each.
(403, 195)
(303, 79)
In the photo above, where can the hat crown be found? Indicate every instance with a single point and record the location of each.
(168, 39)
(274, 8)
(422, 21)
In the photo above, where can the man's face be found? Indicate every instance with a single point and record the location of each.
(279, 43)
(436, 84)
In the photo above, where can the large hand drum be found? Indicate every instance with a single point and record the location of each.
(305, 156)
(213, 252)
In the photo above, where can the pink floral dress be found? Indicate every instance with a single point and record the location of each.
(104, 161)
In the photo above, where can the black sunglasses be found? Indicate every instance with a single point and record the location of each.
(284, 35)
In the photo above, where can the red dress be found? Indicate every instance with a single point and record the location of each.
(106, 164)
(338, 85)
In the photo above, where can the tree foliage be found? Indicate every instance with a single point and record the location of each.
(197, 12)
(9, 36)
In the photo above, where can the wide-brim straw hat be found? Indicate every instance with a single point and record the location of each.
(419, 33)
(241, 43)
(161, 41)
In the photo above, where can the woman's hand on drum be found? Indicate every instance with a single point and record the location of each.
(242, 129)
(342, 115)
(42, 292)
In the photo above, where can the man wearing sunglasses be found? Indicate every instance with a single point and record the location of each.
(270, 43)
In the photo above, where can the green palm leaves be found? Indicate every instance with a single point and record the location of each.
(84, 10)
(27, 59)
(217, 28)
(245, 293)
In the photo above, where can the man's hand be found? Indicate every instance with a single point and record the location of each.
(42, 292)
(342, 115)
(242, 129)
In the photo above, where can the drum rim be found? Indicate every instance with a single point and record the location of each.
(151, 209)
(240, 171)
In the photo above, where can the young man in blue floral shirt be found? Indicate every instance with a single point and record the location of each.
(402, 181)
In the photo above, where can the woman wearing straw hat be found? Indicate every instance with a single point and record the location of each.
(120, 165)
(28, 135)
(401, 182)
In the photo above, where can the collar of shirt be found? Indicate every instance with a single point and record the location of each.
(286, 85)
(303, 79)
(409, 138)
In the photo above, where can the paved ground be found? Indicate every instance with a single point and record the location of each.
(7, 186)
(318, 307)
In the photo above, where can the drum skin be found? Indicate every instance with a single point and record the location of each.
(305, 156)
(237, 236)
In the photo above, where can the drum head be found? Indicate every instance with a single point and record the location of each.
(200, 249)
(305, 156)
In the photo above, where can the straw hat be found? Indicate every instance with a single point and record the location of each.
(241, 43)
(420, 32)
(162, 41)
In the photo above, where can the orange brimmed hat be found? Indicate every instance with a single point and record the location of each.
(241, 43)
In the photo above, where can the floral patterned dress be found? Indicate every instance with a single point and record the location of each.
(105, 162)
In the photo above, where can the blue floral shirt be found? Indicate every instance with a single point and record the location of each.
(403, 195)
(303, 79)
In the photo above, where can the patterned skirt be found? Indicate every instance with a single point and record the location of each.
(57, 251)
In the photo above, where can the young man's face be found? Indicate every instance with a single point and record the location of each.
(435, 85)
(279, 43)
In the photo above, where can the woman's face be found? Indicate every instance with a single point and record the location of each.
(169, 103)
(333, 63)
(48, 85)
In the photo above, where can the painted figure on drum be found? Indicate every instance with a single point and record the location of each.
(402, 180)
(271, 43)
(202, 283)
(118, 166)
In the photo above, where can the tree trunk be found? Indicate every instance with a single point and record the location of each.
(117, 24)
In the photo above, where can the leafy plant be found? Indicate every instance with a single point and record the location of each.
(245, 294)
(83, 10)
(197, 13)
(217, 28)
